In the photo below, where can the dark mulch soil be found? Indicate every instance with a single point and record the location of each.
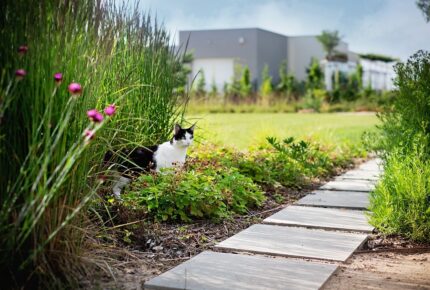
(395, 243)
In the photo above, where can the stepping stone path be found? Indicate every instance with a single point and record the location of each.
(327, 226)
(324, 218)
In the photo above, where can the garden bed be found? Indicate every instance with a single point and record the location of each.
(143, 250)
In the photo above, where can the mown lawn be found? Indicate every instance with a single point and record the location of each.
(243, 130)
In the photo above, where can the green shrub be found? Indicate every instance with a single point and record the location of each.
(314, 161)
(293, 163)
(410, 111)
(401, 201)
(314, 99)
(245, 83)
(266, 82)
(201, 190)
(315, 78)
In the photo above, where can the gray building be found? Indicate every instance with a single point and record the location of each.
(218, 52)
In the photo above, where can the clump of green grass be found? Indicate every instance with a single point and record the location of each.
(117, 56)
(400, 204)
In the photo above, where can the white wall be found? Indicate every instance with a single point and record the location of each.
(218, 70)
(379, 74)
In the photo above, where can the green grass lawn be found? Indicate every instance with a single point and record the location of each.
(243, 130)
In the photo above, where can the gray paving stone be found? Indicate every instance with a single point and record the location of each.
(359, 172)
(220, 271)
(295, 242)
(357, 179)
(372, 165)
(317, 217)
(336, 199)
(349, 185)
(347, 176)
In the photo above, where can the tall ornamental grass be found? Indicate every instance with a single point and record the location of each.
(401, 201)
(53, 135)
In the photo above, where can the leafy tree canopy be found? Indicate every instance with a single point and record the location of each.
(424, 6)
(329, 40)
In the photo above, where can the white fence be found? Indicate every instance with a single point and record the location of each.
(378, 74)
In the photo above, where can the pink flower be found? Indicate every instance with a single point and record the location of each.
(95, 116)
(22, 49)
(89, 134)
(75, 89)
(110, 110)
(20, 74)
(58, 78)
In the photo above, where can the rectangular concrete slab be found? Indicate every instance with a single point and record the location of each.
(362, 173)
(220, 271)
(371, 165)
(347, 176)
(360, 180)
(317, 217)
(295, 242)
(349, 185)
(336, 199)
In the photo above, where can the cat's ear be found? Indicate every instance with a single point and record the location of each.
(177, 128)
(192, 128)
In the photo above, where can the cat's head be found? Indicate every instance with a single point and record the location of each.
(183, 137)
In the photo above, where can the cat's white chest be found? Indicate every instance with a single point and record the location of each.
(168, 156)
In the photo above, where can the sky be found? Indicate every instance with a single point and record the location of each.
(395, 28)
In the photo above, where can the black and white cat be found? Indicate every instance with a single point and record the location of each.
(144, 159)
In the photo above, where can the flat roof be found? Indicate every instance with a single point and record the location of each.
(231, 29)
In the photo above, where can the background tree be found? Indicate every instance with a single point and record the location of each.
(266, 82)
(182, 70)
(329, 41)
(287, 82)
(424, 6)
(315, 79)
(245, 83)
(200, 89)
(235, 87)
(226, 91)
(283, 77)
(359, 72)
(214, 89)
